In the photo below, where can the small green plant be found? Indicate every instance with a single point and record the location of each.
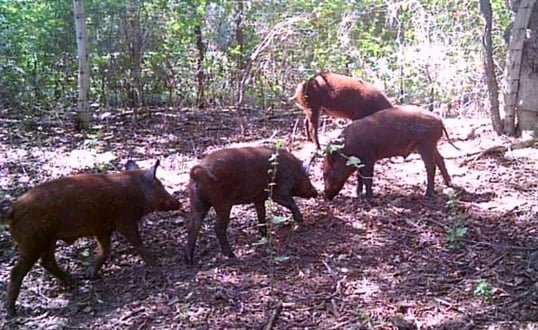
(484, 289)
(184, 311)
(453, 203)
(274, 218)
(454, 235)
(100, 167)
(337, 146)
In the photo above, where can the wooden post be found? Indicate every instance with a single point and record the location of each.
(513, 65)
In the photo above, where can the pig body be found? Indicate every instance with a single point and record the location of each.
(338, 96)
(78, 206)
(234, 176)
(387, 133)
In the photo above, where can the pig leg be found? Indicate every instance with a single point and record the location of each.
(314, 123)
(221, 225)
(198, 212)
(130, 231)
(427, 154)
(287, 201)
(262, 221)
(103, 252)
(26, 261)
(48, 261)
(360, 183)
(441, 164)
(366, 174)
(306, 123)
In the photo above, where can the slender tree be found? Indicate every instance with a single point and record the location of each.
(489, 67)
(83, 113)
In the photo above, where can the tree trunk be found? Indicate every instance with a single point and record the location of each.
(83, 114)
(489, 68)
(513, 65)
(136, 39)
(200, 103)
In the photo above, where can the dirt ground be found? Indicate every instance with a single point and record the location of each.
(465, 259)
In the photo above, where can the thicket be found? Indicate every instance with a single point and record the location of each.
(213, 53)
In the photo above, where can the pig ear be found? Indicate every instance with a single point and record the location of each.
(131, 165)
(150, 174)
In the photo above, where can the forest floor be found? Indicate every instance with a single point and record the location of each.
(464, 259)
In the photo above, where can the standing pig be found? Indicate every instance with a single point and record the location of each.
(234, 176)
(387, 133)
(338, 96)
(77, 206)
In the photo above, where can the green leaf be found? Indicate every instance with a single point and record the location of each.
(461, 231)
(282, 258)
(279, 219)
(354, 161)
(330, 148)
(483, 288)
(273, 158)
(262, 241)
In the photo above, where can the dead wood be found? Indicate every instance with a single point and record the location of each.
(498, 150)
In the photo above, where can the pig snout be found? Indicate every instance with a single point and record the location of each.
(312, 193)
(169, 204)
(328, 195)
(305, 189)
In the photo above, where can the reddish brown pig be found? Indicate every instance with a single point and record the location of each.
(234, 176)
(338, 96)
(387, 133)
(82, 205)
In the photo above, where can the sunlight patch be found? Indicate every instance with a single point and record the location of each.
(78, 159)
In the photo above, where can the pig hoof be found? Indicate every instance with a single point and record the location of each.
(429, 194)
(230, 255)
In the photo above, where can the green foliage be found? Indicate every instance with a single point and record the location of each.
(420, 49)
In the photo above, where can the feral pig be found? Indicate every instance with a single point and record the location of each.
(234, 176)
(338, 96)
(387, 133)
(77, 206)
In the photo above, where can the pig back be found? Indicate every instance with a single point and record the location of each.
(240, 175)
(76, 206)
(344, 96)
(392, 132)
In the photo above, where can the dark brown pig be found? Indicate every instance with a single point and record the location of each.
(338, 96)
(77, 206)
(387, 133)
(234, 176)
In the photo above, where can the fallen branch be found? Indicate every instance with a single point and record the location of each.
(274, 316)
(499, 150)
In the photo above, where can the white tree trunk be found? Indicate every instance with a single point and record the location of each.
(513, 65)
(83, 112)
